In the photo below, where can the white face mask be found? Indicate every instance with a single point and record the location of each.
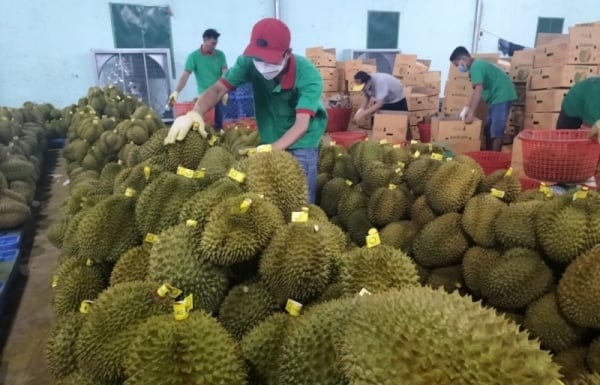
(267, 70)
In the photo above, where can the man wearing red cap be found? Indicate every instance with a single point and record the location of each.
(287, 98)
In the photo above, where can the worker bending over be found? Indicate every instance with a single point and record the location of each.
(381, 91)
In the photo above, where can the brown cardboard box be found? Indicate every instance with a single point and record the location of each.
(418, 102)
(584, 44)
(328, 73)
(521, 89)
(321, 57)
(456, 100)
(525, 56)
(416, 117)
(451, 110)
(454, 73)
(521, 64)
(545, 101)
(330, 85)
(452, 133)
(459, 86)
(391, 126)
(558, 76)
(551, 54)
(516, 116)
(545, 38)
(491, 57)
(540, 120)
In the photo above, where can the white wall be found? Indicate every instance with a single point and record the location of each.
(45, 45)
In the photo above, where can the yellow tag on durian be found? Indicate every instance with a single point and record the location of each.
(497, 193)
(191, 223)
(166, 289)
(581, 194)
(189, 302)
(186, 172)
(89, 262)
(414, 141)
(392, 186)
(401, 164)
(180, 311)
(300, 216)
(54, 280)
(85, 306)
(348, 182)
(293, 307)
(437, 156)
(236, 175)
(151, 238)
(147, 172)
(364, 292)
(373, 239)
(508, 172)
(130, 192)
(212, 140)
(396, 146)
(245, 205)
(417, 154)
(383, 141)
(332, 143)
(264, 148)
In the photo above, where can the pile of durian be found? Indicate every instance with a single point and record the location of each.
(190, 263)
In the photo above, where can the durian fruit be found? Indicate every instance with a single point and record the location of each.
(328, 156)
(108, 329)
(76, 378)
(154, 145)
(56, 230)
(60, 347)
(518, 278)
(196, 350)
(479, 218)
(309, 354)
(75, 281)
(572, 363)
(399, 235)
(387, 205)
(239, 228)
(186, 153)
(280, 178)
(245, 306)
(593, 356)
(261, 348)
(359, 226)
(322, 179)
(412, 326)
(333, 193)
(441, 242)
(17, 169)
(298, 262)
(578, 294)
(586, 379)
(131, 266)
(13, 213)
(477, 261)
(418, 173)
(316, 213)
(70, 244)
(375, 175)
(502, 181)
(344, 168)
(451, 186)
(449, 278)
(376, 269)
(108, 229)
(176, 258)
(396, 156)
(469, 161)
(364, 153)
(216, 163)
(420, 211)
(515, 225)
(543, 320)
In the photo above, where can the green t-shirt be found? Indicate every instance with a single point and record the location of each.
(207, 68)
(497, 86)
(583, 101)
(276, 104)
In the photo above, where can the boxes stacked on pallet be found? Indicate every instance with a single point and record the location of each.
(520, 70)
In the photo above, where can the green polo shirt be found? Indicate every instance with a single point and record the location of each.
(207, 68)
(497, 86)
(583, 101)
(276, 104)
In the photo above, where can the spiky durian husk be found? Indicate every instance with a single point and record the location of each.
(344, 168)
(176, 258)
(500, 180)
(333, 193)
(196, 350)
(451, 186)
(353, 200)
(328, 155)
(408, 327)
(131, 266)
(479, 218)
(418, 173)
(387, 205)
(187, 153)
(449, 278)
(234, 234)
(477, 261)
(12, 212)
(359, 226)
(376, 175)
(441, 242)
(420, 211)
(399, 234)
(280, 178)
(245, 306)
(515, 225)
(60, 347)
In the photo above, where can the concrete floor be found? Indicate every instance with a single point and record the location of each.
(25, 320)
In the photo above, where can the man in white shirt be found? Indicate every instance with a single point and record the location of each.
(385, 90)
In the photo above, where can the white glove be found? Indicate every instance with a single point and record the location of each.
(253, 150)
(182, 125)
(173, 98)
(464, 112)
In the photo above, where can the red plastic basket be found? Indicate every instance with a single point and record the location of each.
(567, 156)
(491, 161)
(424, 132)
(529, 184)
(346, 138)
(182, 108)
(338, 119)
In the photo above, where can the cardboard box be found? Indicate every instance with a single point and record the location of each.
(545, 101)
(551, 54)
(584, 44)
(540, 120)
(525, 56)
(417, 102)
(560, 76)
(452, 133)
(491, 57)
(328, 73)
(459, 86)
(454, 73)
(321, 57)
(516, 116)
(330, 85)
(430, 83)
(543, 38)
(521, 89)
(391, 126)
(416, 117)
(456, 100)
(521, 65)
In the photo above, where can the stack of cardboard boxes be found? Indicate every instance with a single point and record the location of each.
(325, 61)
(520, 69)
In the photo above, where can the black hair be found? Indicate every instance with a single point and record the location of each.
(211, 34)
(362, 76)
(458, 52)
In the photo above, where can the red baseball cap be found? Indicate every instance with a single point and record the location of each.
(270, 39)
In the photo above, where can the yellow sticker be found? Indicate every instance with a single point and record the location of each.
(189, 302)
(364, 292)
(180, 311)
(245, 205)
(401, 164)
(85, 306)
(191, 223)
(236, 175)
(293, 307)
(383, 141)
(414, 141)
(130, 192)
(151, 238)
(508, 172)
(186, 172)
(199, 174)
(417, 154)
(166, 289)
(89, 262)
(581, 194)
(332, 143)
(147, 172)
(392, 186)
(264, 148)
(497, 193)
(316, 228)
(430, 147)
(399, 171)
(299, 216)
(396, 146)
(119, 162)
(348, 182)
(437, 156)
(54, 281)
(212, 140)
(546, 190)
(373, 238)
(449, 159)
(339, 154)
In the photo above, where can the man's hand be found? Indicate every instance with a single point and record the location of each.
(360, 114)
(173, 98)
(224, 99)
(182, 125)
(249, 151)
(464, 112)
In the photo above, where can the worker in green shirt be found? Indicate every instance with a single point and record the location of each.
(491, 84)
(287, 98)
(207, 64)
(581, 105)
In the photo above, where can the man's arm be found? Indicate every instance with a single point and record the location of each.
(294, 133)
(182, 81)
(210, 98)
(374, 107)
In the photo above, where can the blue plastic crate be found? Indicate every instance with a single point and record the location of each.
(8, 255)
(58, 143)
(10, 241)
